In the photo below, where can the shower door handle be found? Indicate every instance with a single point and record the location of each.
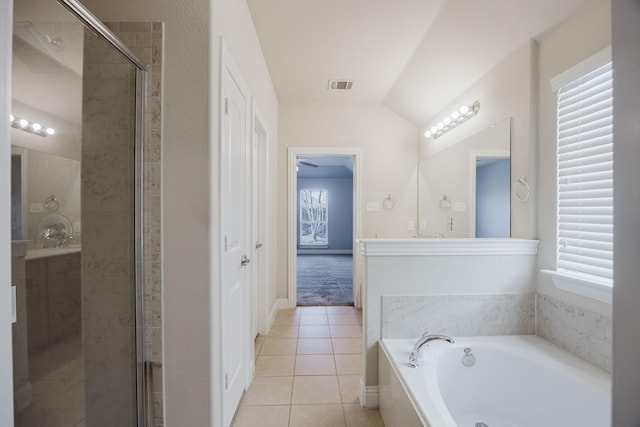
(245, 260)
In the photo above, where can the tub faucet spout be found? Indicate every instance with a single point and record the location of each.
(413, 358)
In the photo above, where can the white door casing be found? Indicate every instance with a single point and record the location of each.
(294, 152)
(235, 214)
(259, 225)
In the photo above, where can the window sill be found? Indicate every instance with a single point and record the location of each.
(581, 286)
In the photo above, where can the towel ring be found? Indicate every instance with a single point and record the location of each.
(389, 203)
(51, 203)
(523, 181)
(445, 203)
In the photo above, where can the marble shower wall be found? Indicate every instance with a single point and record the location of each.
(107, 208)
(458, 315)
(108, 258)
(587, 334)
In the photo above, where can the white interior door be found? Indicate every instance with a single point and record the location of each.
(235, 202)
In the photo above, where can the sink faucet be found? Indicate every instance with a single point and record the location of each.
(426, 337)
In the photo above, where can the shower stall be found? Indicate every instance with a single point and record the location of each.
(78, 133)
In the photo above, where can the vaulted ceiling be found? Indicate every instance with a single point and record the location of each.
(413, 56)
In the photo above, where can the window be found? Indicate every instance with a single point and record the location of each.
(585, 183)
(313, 218)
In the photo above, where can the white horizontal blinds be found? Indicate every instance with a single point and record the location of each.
(585, 175)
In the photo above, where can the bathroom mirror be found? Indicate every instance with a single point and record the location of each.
(464, 189)
(37, 176)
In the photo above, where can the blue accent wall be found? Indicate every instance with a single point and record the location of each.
(340, 200)
(493, 197)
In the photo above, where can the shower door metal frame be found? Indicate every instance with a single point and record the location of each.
(143, 399)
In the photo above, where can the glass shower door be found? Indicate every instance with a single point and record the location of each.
(77, 340)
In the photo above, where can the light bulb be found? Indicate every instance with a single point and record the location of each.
(440, 125)
(434, 129)
(24, 123)
(427, 134)
(50, 131)
(455, 115)
(464, 110)
(11, 118)
(36, 126)
(447, 121)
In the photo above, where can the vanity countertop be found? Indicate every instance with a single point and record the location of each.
(50, 252)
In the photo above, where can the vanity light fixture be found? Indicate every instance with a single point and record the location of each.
(453, 120)
(32, 127)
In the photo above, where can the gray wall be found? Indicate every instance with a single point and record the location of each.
(340, 200)
(626, 295)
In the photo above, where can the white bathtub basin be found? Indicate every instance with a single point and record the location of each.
(517, 381)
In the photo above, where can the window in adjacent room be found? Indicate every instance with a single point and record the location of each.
(585, 184)
(314, 217)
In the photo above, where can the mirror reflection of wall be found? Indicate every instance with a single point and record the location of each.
(472, 193)
(46, 91)
(37, 176)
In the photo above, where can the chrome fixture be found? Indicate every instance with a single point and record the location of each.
(453, 120)
(468, 359)
(56, 233)
(445, 203)
(32, 127)
(426, 337)
(522, 180)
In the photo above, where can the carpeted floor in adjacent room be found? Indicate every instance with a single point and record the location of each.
(325, 279)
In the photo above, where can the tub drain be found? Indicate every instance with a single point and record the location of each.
(481, 424)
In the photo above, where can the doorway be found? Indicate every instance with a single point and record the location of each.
(323, 224)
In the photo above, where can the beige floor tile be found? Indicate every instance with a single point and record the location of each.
(317, 416)
(347, 345)
(263, 416)
(348, 364)
(258, 343)
(315, 390)
(315, 346)
(346, 331)
(283, 331)
(279, 346)
(349, 388)
(314, 331)
(287, 317)
(314, 319)
(357, 416)
(312, 310)
(339, 309)
(344, 319)
(269, 391)
(315, 365)
(275, 366)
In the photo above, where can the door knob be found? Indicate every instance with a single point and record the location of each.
(245, 260)
(258, 245)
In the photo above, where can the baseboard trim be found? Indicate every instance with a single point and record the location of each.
(282, 303)
(272, 316)
(368, 395)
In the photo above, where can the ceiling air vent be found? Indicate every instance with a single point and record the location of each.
(340, 84)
